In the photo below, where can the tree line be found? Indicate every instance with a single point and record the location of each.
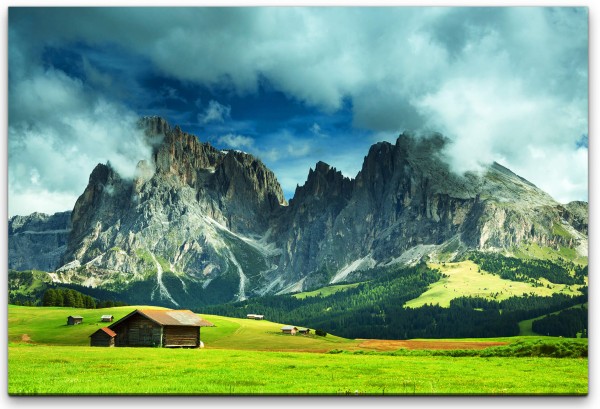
(515, 269)
(65, 297)
(567, 323)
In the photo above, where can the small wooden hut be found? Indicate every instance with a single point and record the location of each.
(164, 328)
(107, 318)
(74, 319)
(255, 317)
(304, 331)
(104, 337)
(288, 329)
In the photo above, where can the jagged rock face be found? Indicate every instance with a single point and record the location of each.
(249, 192)
(577, 215)
(405, 197)
(201, 225)
(181, 217)
(304, 227)
(37, 241)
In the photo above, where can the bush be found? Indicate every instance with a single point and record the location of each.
(320, 333)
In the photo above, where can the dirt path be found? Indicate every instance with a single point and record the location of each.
(392, 345)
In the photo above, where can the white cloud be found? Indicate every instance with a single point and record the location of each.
(492, 120)
(40, 200)
(500, 82)
(59, 131)
(236, 141)
(215, 112)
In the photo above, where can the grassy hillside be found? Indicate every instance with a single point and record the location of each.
(325, 291)
(47, 325)
(465, 279)
(27, 286)
(241, 333)
(535, 251)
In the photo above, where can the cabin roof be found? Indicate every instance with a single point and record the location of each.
(107, 316)
(182, 318)
(288, 327)
(108, 331)
(75, 316)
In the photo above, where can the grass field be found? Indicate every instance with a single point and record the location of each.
(47, 357)
(325, 291)
(48, 370)
(47, 325)
(534, 251)
(239, 333)
(464, 279)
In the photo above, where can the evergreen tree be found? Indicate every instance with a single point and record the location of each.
(69, 298)
(49, 299)
(60, 298)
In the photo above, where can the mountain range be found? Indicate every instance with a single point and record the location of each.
(197, 225)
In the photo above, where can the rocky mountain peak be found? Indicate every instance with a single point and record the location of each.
(323, 182)
(154, 125)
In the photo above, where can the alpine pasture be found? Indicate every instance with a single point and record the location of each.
(248, 357)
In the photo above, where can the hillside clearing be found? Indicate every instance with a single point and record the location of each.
(464, 279)
(325, 291)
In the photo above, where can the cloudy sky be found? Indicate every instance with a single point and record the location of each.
(294, 86)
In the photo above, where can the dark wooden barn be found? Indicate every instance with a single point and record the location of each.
(74, 320)
(104, 337)
(164, 328)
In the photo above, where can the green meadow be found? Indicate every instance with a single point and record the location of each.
(47, 357)
(465, 278)
(49, 370)
(325, 291)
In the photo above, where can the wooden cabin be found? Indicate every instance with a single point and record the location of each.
(104, 337)
(74, 319)
(255, 317)
(107, 318)
(159, 328)
(288, 329)
(304, 331)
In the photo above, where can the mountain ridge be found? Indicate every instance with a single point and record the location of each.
(196, 222)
